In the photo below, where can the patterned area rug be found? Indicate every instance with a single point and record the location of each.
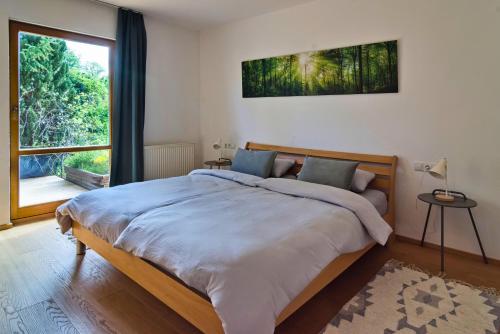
(406, 300)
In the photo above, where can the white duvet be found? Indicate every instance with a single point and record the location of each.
(250, 244)
(106, 212)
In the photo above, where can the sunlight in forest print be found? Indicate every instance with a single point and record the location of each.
(304, 59)
(362, 69)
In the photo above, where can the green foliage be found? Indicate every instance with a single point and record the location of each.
(61, 102)
(92, 161)
(370, 68)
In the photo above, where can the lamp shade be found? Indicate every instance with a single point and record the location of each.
(439, 170)
(217, 145)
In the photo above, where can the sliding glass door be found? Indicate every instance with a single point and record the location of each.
(60, 120)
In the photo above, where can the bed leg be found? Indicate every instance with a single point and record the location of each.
(80, 248)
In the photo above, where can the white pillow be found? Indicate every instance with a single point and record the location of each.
(281, 166)
(361, 180)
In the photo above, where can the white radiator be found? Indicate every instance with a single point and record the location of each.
(161, 161)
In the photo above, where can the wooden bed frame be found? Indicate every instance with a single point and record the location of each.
(197, 308)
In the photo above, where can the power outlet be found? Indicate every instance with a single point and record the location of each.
(422, 166)
(229, 146)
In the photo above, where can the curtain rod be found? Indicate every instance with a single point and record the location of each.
(105, 3)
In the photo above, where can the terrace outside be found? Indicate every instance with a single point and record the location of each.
(54, 177)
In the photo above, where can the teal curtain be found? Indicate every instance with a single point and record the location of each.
(129, 85)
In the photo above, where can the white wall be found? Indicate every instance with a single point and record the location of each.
(448, 104)
(172, 91)
(172, 85)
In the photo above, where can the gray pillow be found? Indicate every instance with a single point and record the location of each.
(281, 166)
(258, 163)
(361, 180)
(336, 173)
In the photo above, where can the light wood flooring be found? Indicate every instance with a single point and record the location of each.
(46, 288)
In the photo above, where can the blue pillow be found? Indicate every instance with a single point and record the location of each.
(258, 163)
(331, 172)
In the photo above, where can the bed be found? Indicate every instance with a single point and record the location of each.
(198, 297)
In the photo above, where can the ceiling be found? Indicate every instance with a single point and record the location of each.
(201, 14)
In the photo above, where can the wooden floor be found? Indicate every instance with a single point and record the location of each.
(46, 288)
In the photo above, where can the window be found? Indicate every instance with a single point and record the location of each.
(61, 86)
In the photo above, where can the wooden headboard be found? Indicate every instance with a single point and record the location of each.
(384, 167)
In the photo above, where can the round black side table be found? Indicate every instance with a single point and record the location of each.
(460, 202)
(218, 163)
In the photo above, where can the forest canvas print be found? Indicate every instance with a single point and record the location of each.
(361, 69)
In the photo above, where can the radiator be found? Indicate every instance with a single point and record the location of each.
(161, 161)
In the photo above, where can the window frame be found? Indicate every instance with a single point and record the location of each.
(16, 27)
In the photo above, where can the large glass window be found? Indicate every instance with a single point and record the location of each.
(60, 116)
(63, 92)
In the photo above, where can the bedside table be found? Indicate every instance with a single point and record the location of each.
(218, 163)
(460, 202)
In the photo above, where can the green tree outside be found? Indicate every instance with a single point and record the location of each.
(62, 102)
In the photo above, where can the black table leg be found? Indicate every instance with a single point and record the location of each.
(442, 239)
(477, 235)
(425, 227)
